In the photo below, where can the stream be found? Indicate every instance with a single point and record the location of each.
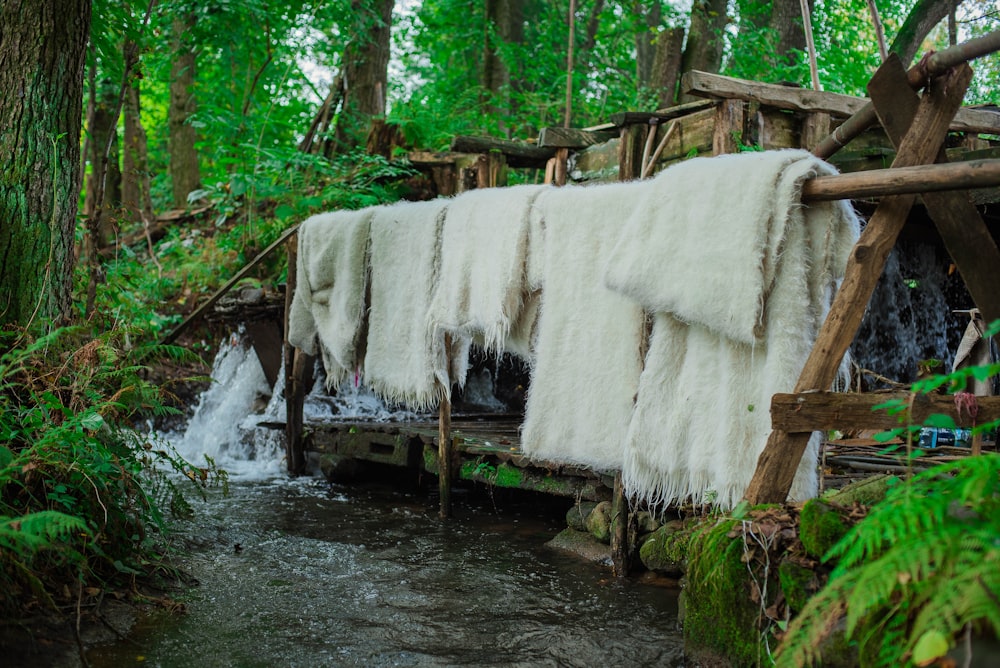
(298, 572)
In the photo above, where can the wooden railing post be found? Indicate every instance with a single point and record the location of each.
(445, 445)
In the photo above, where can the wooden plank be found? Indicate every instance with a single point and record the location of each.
(903, 180)
(815, 128)
(622, 119)
(574, 138)
(780, 458)
(633, 138)
(804, 99)
(519, 154)
(813, 411)
(962, 229)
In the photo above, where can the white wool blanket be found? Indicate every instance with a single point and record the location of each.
(481, 286)
(740, 276)
(405, 362)
(329, 299)
(587, 339)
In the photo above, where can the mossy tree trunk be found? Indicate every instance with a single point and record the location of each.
(42, 55)
(185, 174)
(365, 71)
(705, 38)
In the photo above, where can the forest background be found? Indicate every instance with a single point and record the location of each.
(148, 149)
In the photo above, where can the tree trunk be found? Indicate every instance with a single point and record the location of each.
(135, 174)
(103, 163)
(667, 66)
(645, 40)
(705, 38)
(365, 64)
(42, 57)
(786, 26)
(185, 174)
(921, 20)
(504, 24)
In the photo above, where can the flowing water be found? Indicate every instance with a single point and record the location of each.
(301, 573)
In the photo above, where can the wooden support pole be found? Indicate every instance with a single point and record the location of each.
(561, 166)
(904, 180)
(965, 235)
(445, 446)
(293, 431)
(729, 118)
(301, 380)
(633, 138)
(933, 65)
(780, 458)
(623, 530)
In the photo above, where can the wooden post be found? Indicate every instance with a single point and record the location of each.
(815, 128)
(729, 117)
(491, 170)
(780, 458)
(293, 431)
(633, 137)
(623, 530)
(301, 380)
(561, 159)
(445, 446)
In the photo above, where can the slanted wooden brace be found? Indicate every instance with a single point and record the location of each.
(919, 142)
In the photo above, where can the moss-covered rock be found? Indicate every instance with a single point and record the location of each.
(665, 550)
(599, 522)
(647, 522)
(798, 583)
(576, 516)
(720, 618)
(821, 524)
(582, 544)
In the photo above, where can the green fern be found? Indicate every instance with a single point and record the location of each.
(925, 561)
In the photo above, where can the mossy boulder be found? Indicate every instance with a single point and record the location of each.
(576, 516)
(821, 524)
(720, 617)
(582, 544)
(599, 522)
(665, 550)
(798, 583)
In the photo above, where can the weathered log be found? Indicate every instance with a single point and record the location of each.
(822, 411)
(641, 117)
(519, 154)
(573, 138)
(904, 180)
(780, 458)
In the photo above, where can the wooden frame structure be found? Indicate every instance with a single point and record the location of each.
(917, 127)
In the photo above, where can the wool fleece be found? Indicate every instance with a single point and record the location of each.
(740, 276)
(329, 300)
(481, 287)
(405, 362)
(587, 339)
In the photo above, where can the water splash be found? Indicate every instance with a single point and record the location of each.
(909, 317)
(225, 423)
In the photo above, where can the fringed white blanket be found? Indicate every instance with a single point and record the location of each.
(481, 286)
(405, 362)
(587, 338)
(329, 300)
(740, 276)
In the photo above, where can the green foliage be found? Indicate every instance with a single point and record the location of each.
(925, 563)
(75, 480)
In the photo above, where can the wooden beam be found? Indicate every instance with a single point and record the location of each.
(779, 461)
(904, 180)
(574, 138)
(805, 100)
(643, 117)
(965, 235)
(519, 154)
(813, 411)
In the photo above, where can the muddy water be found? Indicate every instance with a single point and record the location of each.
(298, 573)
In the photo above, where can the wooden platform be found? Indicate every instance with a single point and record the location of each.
(487, 447)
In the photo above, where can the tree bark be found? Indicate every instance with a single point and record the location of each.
(135, 174)
(705, 38)
(365, 64)
(645, 40)
(104, 164)
(42, 57)
(185, 174)
(504, 24)
(667, 65)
